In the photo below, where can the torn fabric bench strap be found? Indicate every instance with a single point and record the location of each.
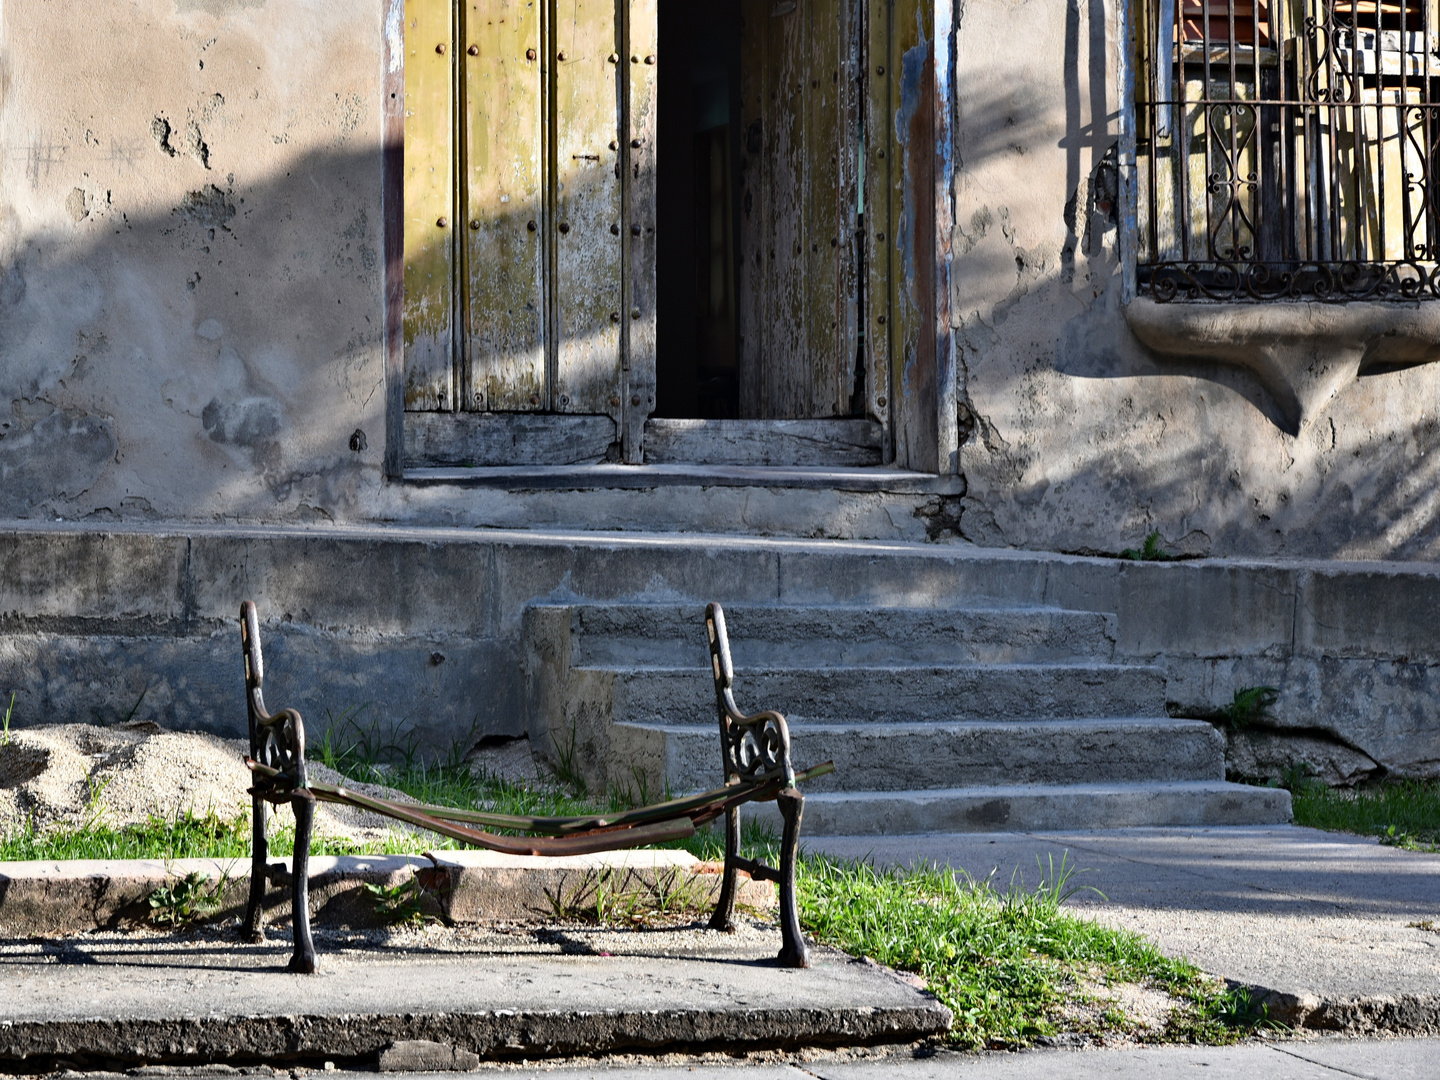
(755, 753)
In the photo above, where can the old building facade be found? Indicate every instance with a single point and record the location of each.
(1029, 275)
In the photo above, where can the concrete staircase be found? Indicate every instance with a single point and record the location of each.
(955, 719)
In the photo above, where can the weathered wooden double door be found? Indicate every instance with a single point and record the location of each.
(530, 164)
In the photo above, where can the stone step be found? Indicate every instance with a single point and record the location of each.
(889, 693)
(911, 757)
(812, 636)
(1019, 807)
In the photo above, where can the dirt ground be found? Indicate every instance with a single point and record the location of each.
(67, 774)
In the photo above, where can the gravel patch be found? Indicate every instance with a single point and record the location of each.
(65, 775)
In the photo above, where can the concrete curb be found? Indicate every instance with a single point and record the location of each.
(1374, 1014)
(359, 1039)
(460, 886)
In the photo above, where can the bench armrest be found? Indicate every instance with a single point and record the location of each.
(276, 739)
(752, 746)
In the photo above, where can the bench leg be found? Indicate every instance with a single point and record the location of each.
(724, 916)
(303, 959)
(252, 931)
(793, 952)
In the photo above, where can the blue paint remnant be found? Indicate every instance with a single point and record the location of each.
(912, 96)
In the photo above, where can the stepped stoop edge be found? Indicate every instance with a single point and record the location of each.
(938, 719)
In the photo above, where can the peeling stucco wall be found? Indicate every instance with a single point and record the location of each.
(1077, 437)
(190, 258)
(191, 298)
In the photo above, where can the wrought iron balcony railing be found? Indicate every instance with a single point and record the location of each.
(1286, 149)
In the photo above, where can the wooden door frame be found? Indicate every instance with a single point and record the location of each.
(911, 108)
(911, 73)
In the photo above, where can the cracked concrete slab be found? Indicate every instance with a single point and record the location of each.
(113, 999)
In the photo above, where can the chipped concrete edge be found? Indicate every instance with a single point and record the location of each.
(355, 1039)
(1375, 1014)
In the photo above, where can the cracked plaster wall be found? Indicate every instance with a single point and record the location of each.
(190, 258)
(1077, 438)
(191, 296)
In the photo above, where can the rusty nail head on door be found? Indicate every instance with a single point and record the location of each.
(529, 54)
(614, 316)
(650, 59)
(614, 58)
(474, 50)
(635, 313)
(530, 225)
(615, 399)
(534, 399)
(635, 400)
(475, 223)
(560, 56)
(614, 230)
(442, 222)
(564, 226)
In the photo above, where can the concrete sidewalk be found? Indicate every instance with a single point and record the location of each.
(1324, 923)
(121, 1000)
(1326, 1059)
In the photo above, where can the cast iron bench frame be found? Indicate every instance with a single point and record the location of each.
(755, 752)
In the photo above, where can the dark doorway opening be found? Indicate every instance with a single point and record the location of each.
(697, 180)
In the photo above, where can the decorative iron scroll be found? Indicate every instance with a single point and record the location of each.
(1222, 281)
(1284, 149)
(760, 747)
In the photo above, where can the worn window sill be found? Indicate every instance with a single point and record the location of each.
(1303, 352)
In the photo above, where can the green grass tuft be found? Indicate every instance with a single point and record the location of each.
(1250, 705)
(1404, 814)
(1152, 550)
(1005, 963)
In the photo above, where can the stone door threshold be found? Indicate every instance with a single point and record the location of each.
(601, 476)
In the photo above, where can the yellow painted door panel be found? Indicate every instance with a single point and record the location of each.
(638, 395)
(429, 180)
(588, 276)
(504, 192)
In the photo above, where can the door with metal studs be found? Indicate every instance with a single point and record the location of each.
(529, 230)
(529, 220)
